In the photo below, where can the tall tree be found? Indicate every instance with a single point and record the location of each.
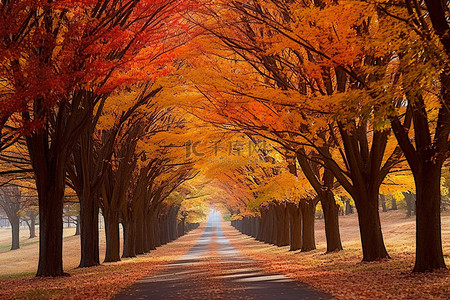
(429, 148)
(12, 204)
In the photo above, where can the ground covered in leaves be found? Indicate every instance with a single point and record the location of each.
(343, 274)
(100, 282)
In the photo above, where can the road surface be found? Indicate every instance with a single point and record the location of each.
(214, 269)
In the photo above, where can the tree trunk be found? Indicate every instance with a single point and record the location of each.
(295, 226)
(181, 227)
(129, 238)
(269, 226)
(172, 223)
(408, 201)
(89, 236)
(348, 207)
(382, 199)
(273, 225)
(282, 225)
(156, 230)
(49, 170)
(112, 236)
(308, 209)
(393, 203)
(51, 233)
(15, 227)
(77, 227)
(163, 230)
(140, 233)
(370, 229)
(261, 236)
(32, 225)
(150, 222)
(331, 216)
(255, 222)
(429, 254)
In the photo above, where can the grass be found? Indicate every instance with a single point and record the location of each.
(343, 275)
(8, 246)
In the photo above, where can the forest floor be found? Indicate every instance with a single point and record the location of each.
(343, 275)
(17, 280)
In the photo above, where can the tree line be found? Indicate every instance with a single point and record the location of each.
(349, 92)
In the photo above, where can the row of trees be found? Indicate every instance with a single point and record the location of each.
(347, 91)
(79, 89)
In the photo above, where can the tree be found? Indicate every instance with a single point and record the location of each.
(12, 204)
(29, 215)
(91, 157)
(429, 148)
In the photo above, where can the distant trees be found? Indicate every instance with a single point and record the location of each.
(12, 204)
(29, 215)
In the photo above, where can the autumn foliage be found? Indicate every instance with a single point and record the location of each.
(274, 112)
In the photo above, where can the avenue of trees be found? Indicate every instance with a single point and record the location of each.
(336, 101)
(351, 91)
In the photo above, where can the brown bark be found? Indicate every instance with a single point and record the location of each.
(393, 204)
(156, 229)
(410, 203)
(77, 226)
(370, 229)
(15, 227)
(308, 209)
(32, 224)
(129, 238)
(331, 217)
(49, 169)
(181, 226)
(382, 198)
(150, 232)
(348, 206)
(282, 225)
(272, 225)
(140, 233)
(50, 231)
(89, 236)
(112, 236)
(295, 226)
(172, 223)
(255, 226)
(261, 236)
(323, 186)
(429, 254)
